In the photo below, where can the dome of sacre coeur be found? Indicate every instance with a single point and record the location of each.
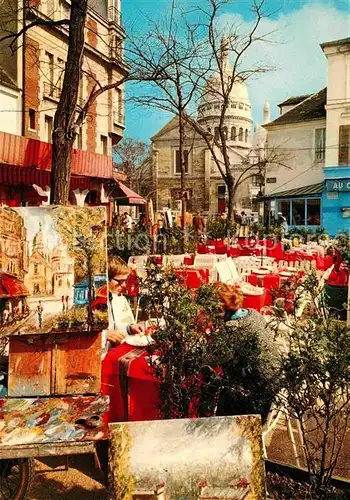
(239, 108)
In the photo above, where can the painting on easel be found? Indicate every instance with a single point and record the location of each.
(52, 264)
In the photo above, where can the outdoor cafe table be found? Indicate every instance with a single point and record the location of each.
(128, 380)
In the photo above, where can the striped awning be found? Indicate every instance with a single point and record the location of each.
(10, 286)
(20, 176)
(19, 151)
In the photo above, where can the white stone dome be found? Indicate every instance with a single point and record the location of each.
(238, 116)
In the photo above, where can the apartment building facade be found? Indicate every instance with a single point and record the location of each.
(312, 188)
(31, 79)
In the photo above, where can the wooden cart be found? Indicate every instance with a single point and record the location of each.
(54, 406)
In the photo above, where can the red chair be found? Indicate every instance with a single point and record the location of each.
(253, 279)
(189, 260)
(204, 274)
(202, 249)
(191, 278)
(221, 249)
(256, 302)
(271, 281)
(234, 252)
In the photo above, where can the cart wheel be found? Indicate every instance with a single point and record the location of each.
(16, 478)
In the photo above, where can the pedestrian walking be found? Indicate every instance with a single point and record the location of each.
(63, 304)
(40, 311)
(67, 302)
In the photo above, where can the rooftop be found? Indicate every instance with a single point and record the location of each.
(312, 108)
(294, 100)
(334, 43)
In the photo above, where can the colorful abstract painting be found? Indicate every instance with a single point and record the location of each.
(52, 263)
(51, 420)
(189, 459)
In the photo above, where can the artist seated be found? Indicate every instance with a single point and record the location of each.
(121, 318)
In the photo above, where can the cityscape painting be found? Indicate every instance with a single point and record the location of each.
(53, 262)
(187, 459)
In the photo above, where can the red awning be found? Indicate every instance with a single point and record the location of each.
(126, 196)
(10, 286)
(19, 176)
(19, 151)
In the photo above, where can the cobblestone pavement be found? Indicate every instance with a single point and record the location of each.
(82, 481)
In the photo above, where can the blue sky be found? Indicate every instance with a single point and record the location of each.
(300, 66)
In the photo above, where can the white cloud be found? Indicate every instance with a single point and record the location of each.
(301, 66)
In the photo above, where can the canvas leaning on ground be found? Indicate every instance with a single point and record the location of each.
(187, 459)
(52, 267)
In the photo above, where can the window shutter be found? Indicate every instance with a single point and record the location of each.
(177, 162)
(344, 144)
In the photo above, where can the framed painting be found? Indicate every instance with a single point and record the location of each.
(187, 459)
(53, 262)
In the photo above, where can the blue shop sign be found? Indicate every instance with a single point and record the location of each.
(342, 185)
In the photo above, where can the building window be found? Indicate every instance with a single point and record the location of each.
(217, 133)
(320, 144)
(224, 131)
(240, 106)
(271, 180)
(344, 145)
(240, 134)
(284, 208)
(120, 111)
(36, 269)
(104, 144)
(298, 212)
(255, 180)
(48, 128)
(246, 135)
(50, 70)
(78, 143)
(233, 133)
(313, 207)
(60, 64)
(32, 119)
(178, 163)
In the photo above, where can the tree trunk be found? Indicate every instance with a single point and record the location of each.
(231, 197)
(90, 318)
(64, 123)
(182, 180)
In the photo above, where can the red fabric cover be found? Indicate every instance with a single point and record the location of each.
(142, 387)
(328, 262)
(256, 302)
(339, 276)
